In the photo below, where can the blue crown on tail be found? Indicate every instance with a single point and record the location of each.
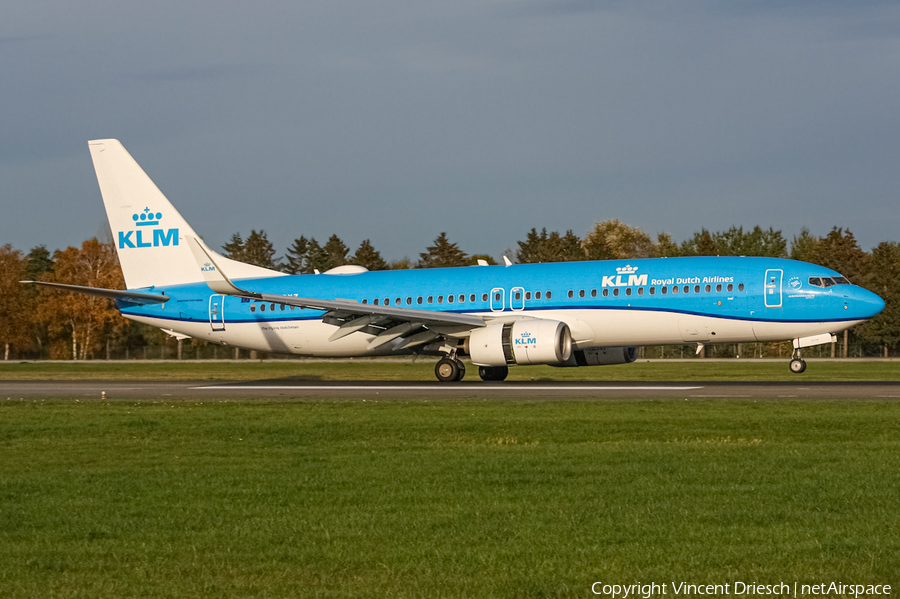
(146, 218)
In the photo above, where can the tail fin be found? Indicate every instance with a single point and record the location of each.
(150, 235)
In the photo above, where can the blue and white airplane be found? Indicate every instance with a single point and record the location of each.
(562, 314)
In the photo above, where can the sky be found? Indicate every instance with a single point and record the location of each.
(397, 120)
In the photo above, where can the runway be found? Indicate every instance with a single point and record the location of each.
(293, 389)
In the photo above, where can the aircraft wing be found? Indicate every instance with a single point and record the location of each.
(416, 326)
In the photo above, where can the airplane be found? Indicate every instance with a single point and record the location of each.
(569, 314)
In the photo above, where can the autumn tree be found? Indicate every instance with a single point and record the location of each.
(757, 242)
(15, 311)
(552, 247)
(701, 244)
(616, 240)
(81, 317)
(442, 254)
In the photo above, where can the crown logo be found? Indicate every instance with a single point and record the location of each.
(146, 218)
(627, 269)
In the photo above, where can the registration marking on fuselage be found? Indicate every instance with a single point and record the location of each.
(434, 387)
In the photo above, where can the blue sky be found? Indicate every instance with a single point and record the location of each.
(397, 120)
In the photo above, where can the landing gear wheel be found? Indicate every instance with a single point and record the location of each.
(798, 366)
(493, 373)
(449, 371)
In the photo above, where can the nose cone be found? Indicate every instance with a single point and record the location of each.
(868, 304)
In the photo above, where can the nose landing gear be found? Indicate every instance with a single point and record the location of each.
(798, 365)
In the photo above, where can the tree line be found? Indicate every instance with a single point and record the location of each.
(44, 323)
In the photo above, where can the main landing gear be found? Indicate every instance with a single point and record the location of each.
(798, 364)
(449, 370)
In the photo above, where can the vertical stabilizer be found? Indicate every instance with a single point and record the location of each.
(150, 235)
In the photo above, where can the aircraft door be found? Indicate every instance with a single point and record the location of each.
(517, 299)
(498, 299)
(772, 288)
(217, 312)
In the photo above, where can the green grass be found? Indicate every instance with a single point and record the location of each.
(458, 499)
(423, 370)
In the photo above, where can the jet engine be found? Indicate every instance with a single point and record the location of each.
(536, 341)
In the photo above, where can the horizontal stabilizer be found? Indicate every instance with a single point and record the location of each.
(133, 297)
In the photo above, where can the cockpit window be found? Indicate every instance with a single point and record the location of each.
(828, 281)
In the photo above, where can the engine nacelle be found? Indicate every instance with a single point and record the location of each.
(602, 356)
(535, 341)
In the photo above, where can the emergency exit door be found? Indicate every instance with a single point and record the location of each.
(217, 312)
(772, 288)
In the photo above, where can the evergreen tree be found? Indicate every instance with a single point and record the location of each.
(401, 264)
(803, 247)
(884, 279)
(335, 252)
(544, 247)
(368, 256)
(839, 251)
(665, 247)
(258, 250)
(234, 249)
(734, 242)
(38, 262)
(474, 258)
(316, 258)
(442, 254)
(701, 244)
(295, 258)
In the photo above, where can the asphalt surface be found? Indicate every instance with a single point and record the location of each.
(291, 389)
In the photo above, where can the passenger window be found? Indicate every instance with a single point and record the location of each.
(282, 307)
(593, 293)
(674, 288)
(581, 293)
(518, 295)
(398, 301)
(730, 287)
(272, 307)
(653, 291)
(528, 295)
(719, 288)
(549, 294)
(430, 299)
(628, 291)
(484, 297)
(696, 288)
(616, 292)
(462, 298)
(440, 299)
(253, 307)
(497, 296)
(408, 301)
(387, 301)
(606, 293)
(472, 297)
(740, 287)
(450, 299)
(537, 295)
(419, 300)
(292, 307)
(262, 307)
(365, 301)
(571, 294)
(640, 291)
(687, 288)
(708, 288)
(376, 301)
(665, 290)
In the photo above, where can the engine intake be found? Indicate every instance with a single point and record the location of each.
(535, 341)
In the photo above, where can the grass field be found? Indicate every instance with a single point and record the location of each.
(458, 499)
(423, 370)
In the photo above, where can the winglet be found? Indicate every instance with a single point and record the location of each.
(217, 280)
